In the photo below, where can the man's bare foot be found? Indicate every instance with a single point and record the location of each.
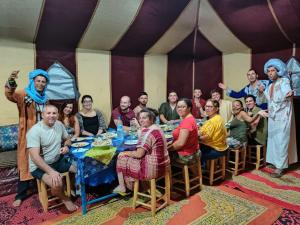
(70, 206)
(17, 203)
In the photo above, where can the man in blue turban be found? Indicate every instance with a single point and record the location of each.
(281, 145)
(31, 102)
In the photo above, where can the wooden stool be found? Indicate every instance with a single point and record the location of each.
(189, 184)
(154, 199)
(215, 169)
(236, 160)
(258, 157)
(46, 199)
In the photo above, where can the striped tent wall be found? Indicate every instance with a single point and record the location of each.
(121, 47)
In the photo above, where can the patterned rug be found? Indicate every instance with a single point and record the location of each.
(30, 212)
(213, 205)
(284, 191)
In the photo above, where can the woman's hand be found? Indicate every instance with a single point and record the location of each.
(125, 153)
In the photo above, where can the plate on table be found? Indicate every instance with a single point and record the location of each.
(101, 143)
(108, 135)
(80, 144)
(78, 150)
(166, 127)
(131, 142)
(78, 139)
(168, 136)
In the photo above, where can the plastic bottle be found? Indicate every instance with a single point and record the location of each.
(120, 130)
(157, 121)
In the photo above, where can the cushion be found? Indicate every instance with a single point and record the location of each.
(9, 137)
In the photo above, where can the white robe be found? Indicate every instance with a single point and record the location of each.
(281, 146)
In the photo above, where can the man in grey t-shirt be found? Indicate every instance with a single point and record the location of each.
(46, 159)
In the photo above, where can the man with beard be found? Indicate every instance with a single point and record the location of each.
(281, 146)
(143, 100)
(30, 102)
(253, 88)
(123, 113)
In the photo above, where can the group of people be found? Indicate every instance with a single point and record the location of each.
(43, 128)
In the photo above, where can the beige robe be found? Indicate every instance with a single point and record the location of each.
(27, 118)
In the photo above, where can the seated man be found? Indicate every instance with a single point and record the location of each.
(167, 110)
(259, 127)
(123, 113)
(143, 100)
(46, 159)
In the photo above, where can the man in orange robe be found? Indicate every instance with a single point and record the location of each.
(30, 102)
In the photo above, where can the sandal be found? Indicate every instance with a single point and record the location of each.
(277, 173)
(120, 191)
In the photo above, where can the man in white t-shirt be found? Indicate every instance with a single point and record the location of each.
(46, 160)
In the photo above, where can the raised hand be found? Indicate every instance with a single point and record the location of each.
(261, 88)
(14, 75)
(222, 86)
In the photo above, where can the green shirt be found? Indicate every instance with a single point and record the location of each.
(261, 132)
(238, 130)
(169, 113)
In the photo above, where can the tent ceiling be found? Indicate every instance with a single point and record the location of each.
(154, 27)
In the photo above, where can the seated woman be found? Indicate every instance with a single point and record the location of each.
(150, 158)
(68, 118)
(213, 133)
(185, 136)
(239, 125)
(90, 120)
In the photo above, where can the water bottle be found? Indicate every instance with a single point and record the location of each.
(157, 121)
(120, 131)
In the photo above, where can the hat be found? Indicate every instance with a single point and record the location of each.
(278, 64)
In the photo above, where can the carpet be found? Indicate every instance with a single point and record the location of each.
(284, 191)
(288, 217)
(30, 212)
(213, 205)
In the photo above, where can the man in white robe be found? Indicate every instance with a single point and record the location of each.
(281, 145)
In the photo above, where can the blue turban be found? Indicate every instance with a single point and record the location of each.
(278, 64)
(30, 89)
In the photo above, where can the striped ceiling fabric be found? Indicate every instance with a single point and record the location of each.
(195, 35)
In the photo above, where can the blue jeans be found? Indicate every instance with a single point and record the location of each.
(209, 153)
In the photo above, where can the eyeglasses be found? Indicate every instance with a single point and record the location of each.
(87, 101)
